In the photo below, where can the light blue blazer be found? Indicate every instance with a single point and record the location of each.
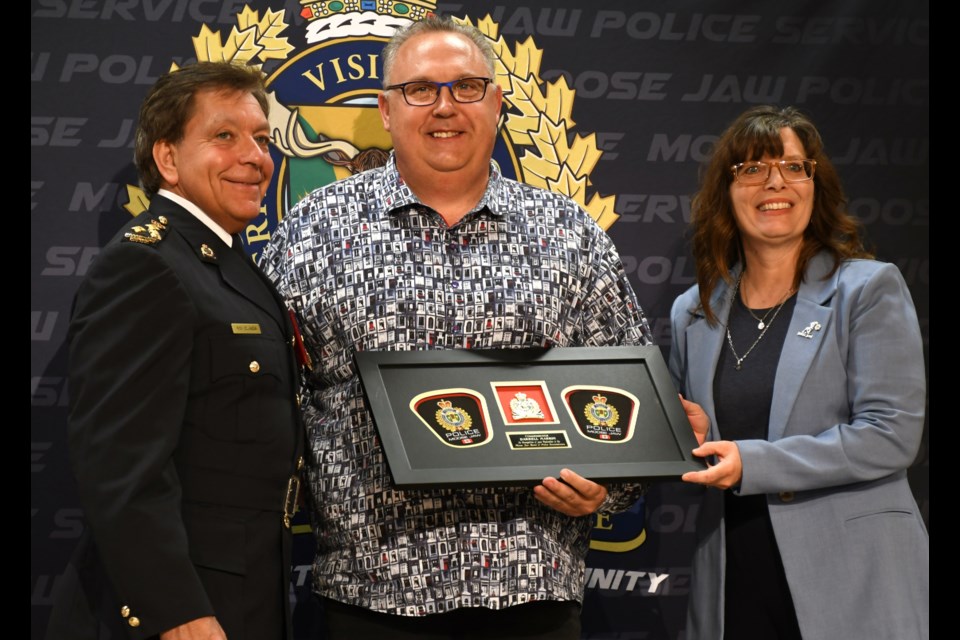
(846, 422)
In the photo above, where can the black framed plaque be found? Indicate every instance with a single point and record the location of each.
(515, 416)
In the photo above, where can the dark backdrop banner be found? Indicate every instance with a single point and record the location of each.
(615, 103)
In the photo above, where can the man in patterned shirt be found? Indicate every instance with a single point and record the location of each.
(437, 250)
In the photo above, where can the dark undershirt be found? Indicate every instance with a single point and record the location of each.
(757, 599)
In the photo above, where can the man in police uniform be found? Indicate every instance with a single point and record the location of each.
(184, 433)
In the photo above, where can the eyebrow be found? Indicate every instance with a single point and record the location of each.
(460, 77)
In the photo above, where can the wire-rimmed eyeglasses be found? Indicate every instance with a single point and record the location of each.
(757, 172)
(423, 93)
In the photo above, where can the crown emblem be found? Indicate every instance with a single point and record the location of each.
(599, 413)
(409, 9)
(444, 404)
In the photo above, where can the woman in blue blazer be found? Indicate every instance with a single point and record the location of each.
(801, 365)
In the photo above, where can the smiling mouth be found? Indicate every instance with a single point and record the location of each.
(445, 134)
(770, 206)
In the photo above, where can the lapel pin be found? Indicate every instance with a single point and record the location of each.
(807, 331)
(206, 251)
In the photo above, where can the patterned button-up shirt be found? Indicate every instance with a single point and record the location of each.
(367, 266)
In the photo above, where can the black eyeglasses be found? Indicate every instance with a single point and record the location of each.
(424, 93)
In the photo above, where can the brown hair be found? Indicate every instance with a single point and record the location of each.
(716, 241)
(169, 105)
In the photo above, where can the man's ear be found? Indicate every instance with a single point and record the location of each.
(165, 155)
(384, 108)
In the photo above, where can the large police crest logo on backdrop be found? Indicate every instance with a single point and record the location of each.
(325, 124)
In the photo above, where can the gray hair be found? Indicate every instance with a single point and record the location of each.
(437, 24)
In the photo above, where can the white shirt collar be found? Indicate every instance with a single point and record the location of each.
(199, 214)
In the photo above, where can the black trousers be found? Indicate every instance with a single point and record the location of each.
(546, 620)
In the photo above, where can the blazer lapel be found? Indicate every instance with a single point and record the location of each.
(242, 278)
(278, 304)
(703, 345)
(240, 273)
(808, 328)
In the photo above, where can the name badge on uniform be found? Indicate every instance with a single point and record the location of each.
(249, 328)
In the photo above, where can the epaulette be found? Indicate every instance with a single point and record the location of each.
(149, 233)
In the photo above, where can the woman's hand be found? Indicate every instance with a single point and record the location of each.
(699, 420)
(727, 471)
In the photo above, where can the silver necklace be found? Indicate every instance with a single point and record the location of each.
(762, 326)
(761, 322)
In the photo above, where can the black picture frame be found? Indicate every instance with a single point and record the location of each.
(443, 419)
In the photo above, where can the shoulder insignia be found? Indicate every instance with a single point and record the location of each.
(149, 233)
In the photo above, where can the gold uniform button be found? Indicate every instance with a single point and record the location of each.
(134, 622)
(254, 366)
(125, 611)
(786, 496)
(300, 463)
